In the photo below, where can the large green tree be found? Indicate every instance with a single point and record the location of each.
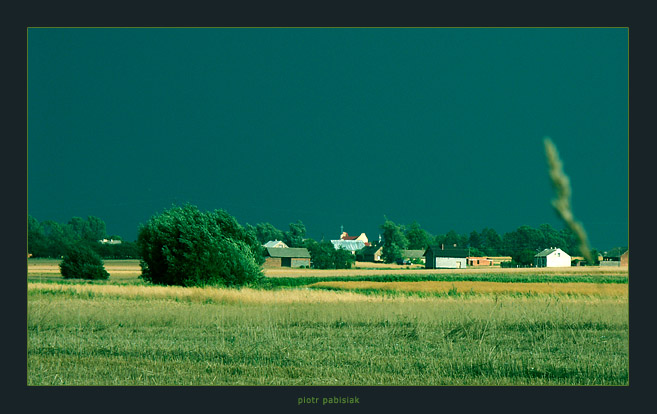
(491, 242)
(187, 247)
(295, 236)
(324, 255)
(523, 238)
(394, 240)
(452, 239)
(474, 241)
(418, 238)
(267, 232)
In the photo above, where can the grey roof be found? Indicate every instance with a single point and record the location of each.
(273, 243)
(413, 254)
(438, 252)
(296, 252)
(547, 252)
(351, 245)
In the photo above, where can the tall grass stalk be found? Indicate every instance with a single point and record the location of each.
(561, 184)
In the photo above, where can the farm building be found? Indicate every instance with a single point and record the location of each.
(413, 254)
(616, 257)
(371, 254)
(286, 257)
(362, 237)
(437, 257)
(275, 243)
(497, 260)
(581, 260)
(479, 261)
(552, 257)
(349, 245)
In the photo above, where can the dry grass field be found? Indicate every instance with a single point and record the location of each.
(129, 270)
(481, 287)
(330, 327)
(48, 270)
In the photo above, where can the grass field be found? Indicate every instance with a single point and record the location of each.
(505, 327)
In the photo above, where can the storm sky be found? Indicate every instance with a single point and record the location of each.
(331, 126)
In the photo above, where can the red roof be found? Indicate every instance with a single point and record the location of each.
(346, 236)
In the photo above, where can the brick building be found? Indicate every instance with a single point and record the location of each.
(286, 257)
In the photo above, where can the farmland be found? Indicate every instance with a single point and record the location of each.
(393, 326)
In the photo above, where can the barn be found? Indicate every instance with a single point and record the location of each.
(437, 257)
(552, 257)
(413, 254)
(617, 257)
(286, 257)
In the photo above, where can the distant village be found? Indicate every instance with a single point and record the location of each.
(278, 254)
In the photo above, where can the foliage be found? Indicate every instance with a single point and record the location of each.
(391, 253)
(394, 240)
(51, 239)
(475, 240)
(123, 250)
(524, 257)
(475, 252)
(343, 259)
(82, 262)
(491, 242)
(295, 236)
(187, 247)
(418, 238)
(324, 255)
(452, 239)
(265, 232)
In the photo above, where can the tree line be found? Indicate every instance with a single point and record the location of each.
(52, 239)
(185, 246)
(521, 244)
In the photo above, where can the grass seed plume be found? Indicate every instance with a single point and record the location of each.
(561, 184)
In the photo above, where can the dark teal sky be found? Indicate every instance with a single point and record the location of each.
(329, 126)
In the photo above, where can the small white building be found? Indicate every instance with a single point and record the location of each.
(437, 257)
(552, 257)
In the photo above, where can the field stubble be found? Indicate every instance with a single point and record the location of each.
(139, 335)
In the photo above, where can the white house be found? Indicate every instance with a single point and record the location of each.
(552, 257)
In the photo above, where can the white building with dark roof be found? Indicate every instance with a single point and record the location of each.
(552, 257)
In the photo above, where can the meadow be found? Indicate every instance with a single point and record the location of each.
(381, 327)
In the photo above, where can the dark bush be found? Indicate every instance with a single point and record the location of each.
(81, 262)
(186, 247)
